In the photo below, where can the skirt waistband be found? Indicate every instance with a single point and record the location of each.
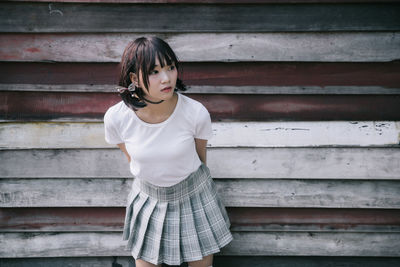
(184, 188)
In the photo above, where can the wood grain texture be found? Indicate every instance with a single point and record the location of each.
(106, 219)
(236, 107)
(82, 17)
(299, 193)
(244, 243)
(210, 1)
(195, 89)
(383, 74)
(313, 244)
(313, 47)
(63, 135)
(124, 261)
(310, 261)
(219, 260)
(293, 163)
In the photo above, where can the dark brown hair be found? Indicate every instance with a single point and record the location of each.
(139, 57)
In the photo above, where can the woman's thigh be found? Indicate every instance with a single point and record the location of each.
(205, 262)
(142, 263)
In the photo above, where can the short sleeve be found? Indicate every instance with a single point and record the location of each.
(203, 124)
(110, 131)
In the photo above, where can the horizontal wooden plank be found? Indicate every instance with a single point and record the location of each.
(82, 17)
(14, 245)
(314, 219)
(123, 261)
(210, 1)
(195, 89)
(305, 193)
(235, 107)
(309, 261)
(313, 47)
(313, 244)
(218, 260)
(282, 163)
(63, 135)
(107, 219)
(383, 74)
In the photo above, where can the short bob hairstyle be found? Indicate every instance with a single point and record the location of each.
(139, 57)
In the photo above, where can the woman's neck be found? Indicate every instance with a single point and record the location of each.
(155, 113)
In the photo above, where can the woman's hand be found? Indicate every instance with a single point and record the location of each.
(201, 148)
(123, 148)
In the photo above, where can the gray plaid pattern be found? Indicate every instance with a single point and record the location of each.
(176, 224)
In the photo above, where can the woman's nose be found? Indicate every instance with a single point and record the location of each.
(164, 77)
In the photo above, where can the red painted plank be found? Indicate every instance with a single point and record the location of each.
(338, 217)
(56, 73)
(111, 219)
(211, 73)
(293, 74)
(53, 105)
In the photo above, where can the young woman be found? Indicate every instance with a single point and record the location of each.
(173, 212)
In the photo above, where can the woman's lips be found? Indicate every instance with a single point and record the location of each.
(166, 90)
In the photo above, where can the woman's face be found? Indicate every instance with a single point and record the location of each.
(162, 81)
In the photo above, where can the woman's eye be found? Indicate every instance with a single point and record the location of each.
(153, 72)
(171, 67)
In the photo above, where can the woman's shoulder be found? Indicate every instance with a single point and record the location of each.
(115, 111)
(190, 103)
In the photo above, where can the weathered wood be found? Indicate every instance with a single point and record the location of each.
(75, 219)
(14, 245)
(313, 47)
(63, 135)
(218, 260)
(309, 261)
(54, 105)
(105, 192)
(302, 163)
(383, 74)
(309, 193)
(127, 261)
(64, 192)
(195, 89)
(211, 1)
(313, 244)
(81, 17)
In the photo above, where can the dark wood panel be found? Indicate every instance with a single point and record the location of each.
(293, 261)
(82, 17)
(212, 73)
(292, 74)
(60, 73)
(55, 105)
(112, 261)
(111, 219)
(219, 261)
(210, 1)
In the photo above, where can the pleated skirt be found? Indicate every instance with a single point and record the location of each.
(176, 224)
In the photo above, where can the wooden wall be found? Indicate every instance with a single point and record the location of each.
(305, 101)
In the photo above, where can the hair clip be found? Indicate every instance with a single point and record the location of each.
(132, 88)
(121, 89)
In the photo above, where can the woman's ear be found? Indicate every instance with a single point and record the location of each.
(134, 78)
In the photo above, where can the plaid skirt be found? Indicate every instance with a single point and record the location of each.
(176, 224)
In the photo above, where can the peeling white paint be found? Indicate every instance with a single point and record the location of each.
(225, 134)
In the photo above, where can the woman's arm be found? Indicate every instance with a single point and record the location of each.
(201, 145)
(123, 148)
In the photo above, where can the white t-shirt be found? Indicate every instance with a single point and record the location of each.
(162, 153)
